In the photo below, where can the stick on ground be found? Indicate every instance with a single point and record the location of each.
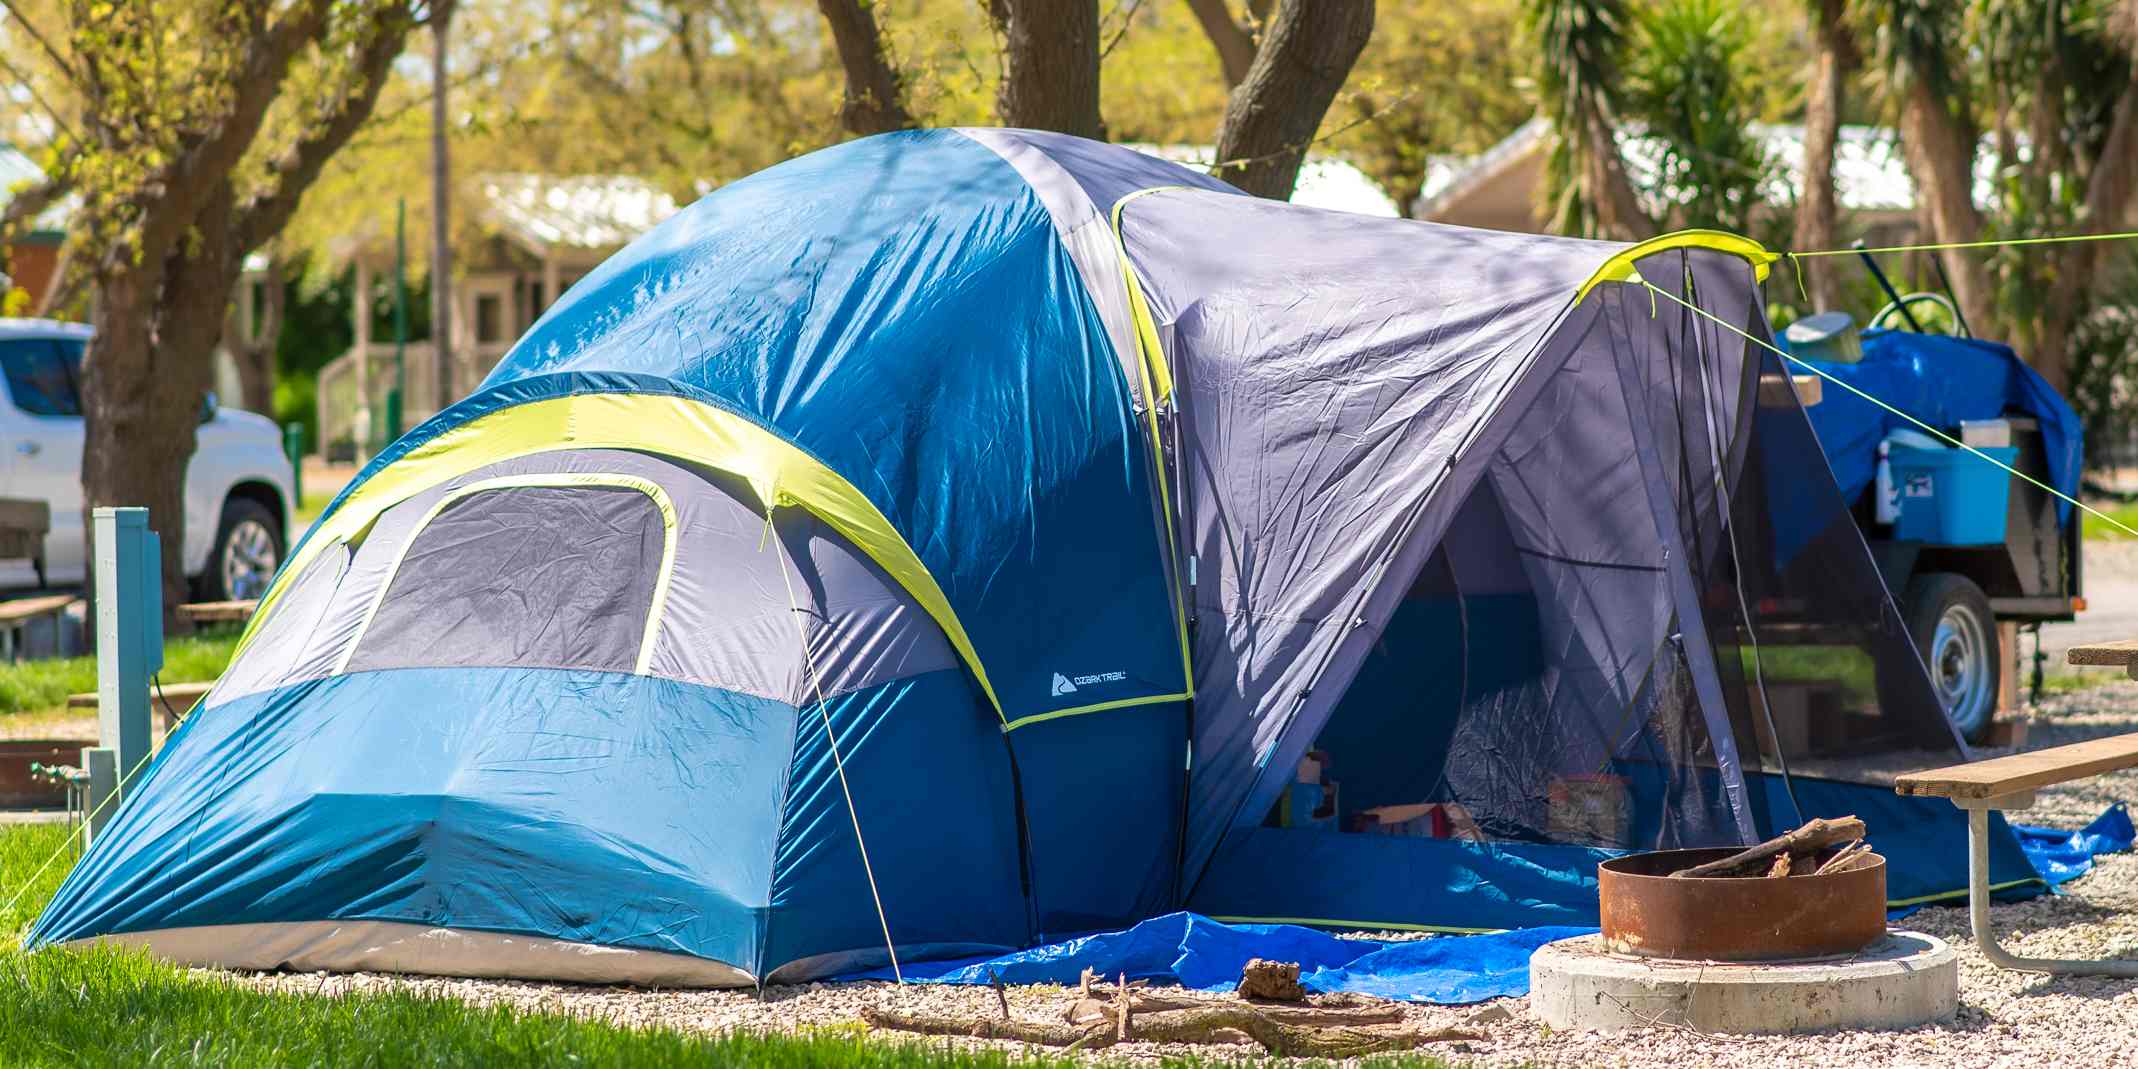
(1187, 1026)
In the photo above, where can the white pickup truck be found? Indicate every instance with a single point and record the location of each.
(237, 484)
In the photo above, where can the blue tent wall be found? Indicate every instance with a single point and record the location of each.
(931, 788)
(625, 811)
(1102, 799)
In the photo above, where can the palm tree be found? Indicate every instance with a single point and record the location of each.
(1580, 42)
(1818, 213)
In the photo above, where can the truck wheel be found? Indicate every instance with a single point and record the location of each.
(248, 549)
(1949, 618)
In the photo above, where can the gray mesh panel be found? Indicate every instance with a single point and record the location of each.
(535, 576)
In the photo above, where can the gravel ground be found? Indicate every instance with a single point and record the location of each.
(2006, 1019)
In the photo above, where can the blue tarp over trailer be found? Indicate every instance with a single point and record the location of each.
(1940, 380)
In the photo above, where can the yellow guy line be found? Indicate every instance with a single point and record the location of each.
(83, 830)
(816, 683)
(1993, 244)
(1934, 432)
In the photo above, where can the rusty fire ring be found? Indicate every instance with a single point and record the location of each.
(1649, 913)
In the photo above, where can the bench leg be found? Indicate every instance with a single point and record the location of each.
(1978, 909)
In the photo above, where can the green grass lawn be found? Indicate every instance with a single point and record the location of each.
(2094, 527)
(107, 1006)
(24, 890)
(34, 685)
(308, 510)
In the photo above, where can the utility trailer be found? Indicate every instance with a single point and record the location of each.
(1964, 600)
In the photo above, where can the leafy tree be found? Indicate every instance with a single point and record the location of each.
(1052, 56)
(1233, 39)
(1918, 49)
(1580, 45)
(1050, 69)
(2055, 85)
(875, 94)
(1445, 78)
(1689, 80)
(1300, 64)
(189, 132)
(1818, 210)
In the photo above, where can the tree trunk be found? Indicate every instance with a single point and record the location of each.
(1270, 120)
(140, 410)
(1818, 214)
(875, 94)
(1619, 215)
(441, 204)
(2110, 191)
(1234, 43)
(1940, 151)
(1050, 76)
(252, 345)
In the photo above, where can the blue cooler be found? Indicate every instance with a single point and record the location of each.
(1950, 496)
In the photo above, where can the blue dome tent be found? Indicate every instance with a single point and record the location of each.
(954, 540)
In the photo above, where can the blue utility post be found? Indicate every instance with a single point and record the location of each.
(129, 599)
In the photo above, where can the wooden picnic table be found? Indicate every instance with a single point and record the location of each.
(219, 612)
(178, 694)
(2008, 783)
(18, 614)
(2122, 655)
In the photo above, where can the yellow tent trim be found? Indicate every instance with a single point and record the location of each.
(1100, 707)
(1157, 390)
(1619, 268)
(691, 431)
(1158, 376)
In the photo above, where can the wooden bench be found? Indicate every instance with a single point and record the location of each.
(2122, 655)
(20, 613)
(219, 612)
(175, 701)
(23, 526)
(2009, 783)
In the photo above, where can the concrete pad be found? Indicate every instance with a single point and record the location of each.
(1903, 980)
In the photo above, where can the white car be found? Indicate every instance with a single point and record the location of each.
(237, 484)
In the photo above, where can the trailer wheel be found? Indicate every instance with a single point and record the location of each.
(1949, 618)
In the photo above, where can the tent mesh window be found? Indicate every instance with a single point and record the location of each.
(1653, 598)
(531, 576)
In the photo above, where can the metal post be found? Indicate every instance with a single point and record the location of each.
(1978, 898)
(293, 444)
(102, 765)
(129, 601)
(400, 322)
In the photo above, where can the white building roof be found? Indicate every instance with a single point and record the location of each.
(1325, 181)
(1870, 174)
(580, 212)
(17, 168)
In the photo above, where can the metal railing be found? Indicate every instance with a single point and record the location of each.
(339, 405)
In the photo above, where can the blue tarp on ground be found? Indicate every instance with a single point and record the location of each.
(1196, 952)
(2067, 855)
(1941, 381)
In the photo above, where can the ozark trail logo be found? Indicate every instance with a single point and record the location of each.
(1067, 685)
